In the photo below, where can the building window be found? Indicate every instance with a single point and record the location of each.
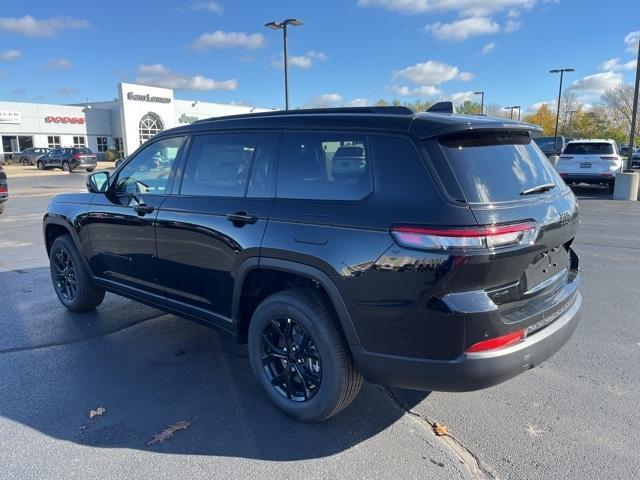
(118, 145)
(102, 144)
(53, 141)
(150, 125)
(79, 142)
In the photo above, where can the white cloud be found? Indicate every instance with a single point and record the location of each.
(631, 41)
(160, 76)
(512, 25)
(10, 55)
(466, 76)
(536, 106)
(57, 64)
(462, 7)
(430, 73)
(301, 61)
(488, 48)
(459, 30)
(66, 90)
(324, 101)
(49, 27)
(220, 39)
(212, 7)
(596, 83)
(358, 102)
(423, 91)
(613, 64)
(461, 97)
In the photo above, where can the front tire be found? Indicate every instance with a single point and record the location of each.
(40, 165)
(299, 358)
(70, 278)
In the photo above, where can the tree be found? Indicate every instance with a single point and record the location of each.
(544, 118)
(468, 107)
(381, 103)
(618, 100)
(495, 110)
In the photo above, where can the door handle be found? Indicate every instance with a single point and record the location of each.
(143, 209)
(241, 218)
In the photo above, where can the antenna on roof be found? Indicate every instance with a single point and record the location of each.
(442, 107)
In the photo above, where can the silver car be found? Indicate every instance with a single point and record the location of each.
(29, 156)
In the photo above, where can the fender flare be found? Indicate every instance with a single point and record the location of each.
(307, 271)
(64, 222)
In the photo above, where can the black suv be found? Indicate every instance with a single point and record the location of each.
(68, 159)
(421, 250)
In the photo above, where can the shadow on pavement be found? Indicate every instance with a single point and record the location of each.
(591, 192)
(149, 370)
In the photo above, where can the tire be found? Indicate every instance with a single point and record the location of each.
(66, 167)
(25, 161)
(40, 165)
(89, 170)
(612, 187)
(71, 281)
(332, 380)
(1, 208)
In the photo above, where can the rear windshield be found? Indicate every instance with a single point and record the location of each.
(497, 167)
(83, 151)
(590, 148)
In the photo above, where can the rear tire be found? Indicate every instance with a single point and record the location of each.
(71, 281)
(25, 162)
(40, 165)
(66, 167)
(612, 187)
(89, 170)
(308, 372)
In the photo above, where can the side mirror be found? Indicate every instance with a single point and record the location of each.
(98, 182)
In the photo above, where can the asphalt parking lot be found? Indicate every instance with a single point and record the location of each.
(575, 417)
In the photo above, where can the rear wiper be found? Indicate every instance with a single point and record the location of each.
(545, 187)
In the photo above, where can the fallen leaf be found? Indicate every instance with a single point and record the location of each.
(97, 412)
(168, 432)
(440, 430)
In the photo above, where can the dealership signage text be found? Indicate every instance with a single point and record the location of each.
(9, 117)
(147, 98)
(75, 120)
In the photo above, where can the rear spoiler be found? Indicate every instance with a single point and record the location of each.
(442, 107)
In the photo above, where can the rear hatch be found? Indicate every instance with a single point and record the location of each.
(588, 158)
(508, 182)
(84, 155)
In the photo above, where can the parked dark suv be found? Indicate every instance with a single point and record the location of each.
(68, 159)
(428, 251)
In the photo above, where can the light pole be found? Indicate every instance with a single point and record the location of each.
(283, 26)
(561, 72)
(511, 109)
(634, 113)
(481, 92)
(571, 113)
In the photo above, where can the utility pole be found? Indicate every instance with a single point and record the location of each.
(561, 72)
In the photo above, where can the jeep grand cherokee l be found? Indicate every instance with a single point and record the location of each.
(421, 250)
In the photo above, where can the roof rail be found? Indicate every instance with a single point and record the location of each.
(390, 110)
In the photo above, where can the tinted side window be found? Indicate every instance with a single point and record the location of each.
(324, 166)
(149, 171)
(263, 180)
(218, 164)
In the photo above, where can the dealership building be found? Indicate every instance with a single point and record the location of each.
(122, 124)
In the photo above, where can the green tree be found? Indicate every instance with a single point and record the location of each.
(544, 118)
(468, 107)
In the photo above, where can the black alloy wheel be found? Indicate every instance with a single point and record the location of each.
(291, 360)
(66, 282)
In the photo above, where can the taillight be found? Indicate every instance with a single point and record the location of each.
(497, 342)
(3, 188)
(76, 156)
(489, 237)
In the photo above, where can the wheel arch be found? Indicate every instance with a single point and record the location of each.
(250, 268)
(55, 226)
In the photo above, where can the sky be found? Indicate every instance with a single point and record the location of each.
(348, 52)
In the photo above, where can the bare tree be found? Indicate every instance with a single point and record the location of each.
(618, 100)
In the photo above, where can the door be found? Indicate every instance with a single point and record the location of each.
(215, 220)
(122, 222)
(50, 159)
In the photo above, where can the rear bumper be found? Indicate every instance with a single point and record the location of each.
(470, 371)
(590, 178)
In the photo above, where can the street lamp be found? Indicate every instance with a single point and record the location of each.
(481, 92)
(561, 72)
(511, 109)
(283, 26)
